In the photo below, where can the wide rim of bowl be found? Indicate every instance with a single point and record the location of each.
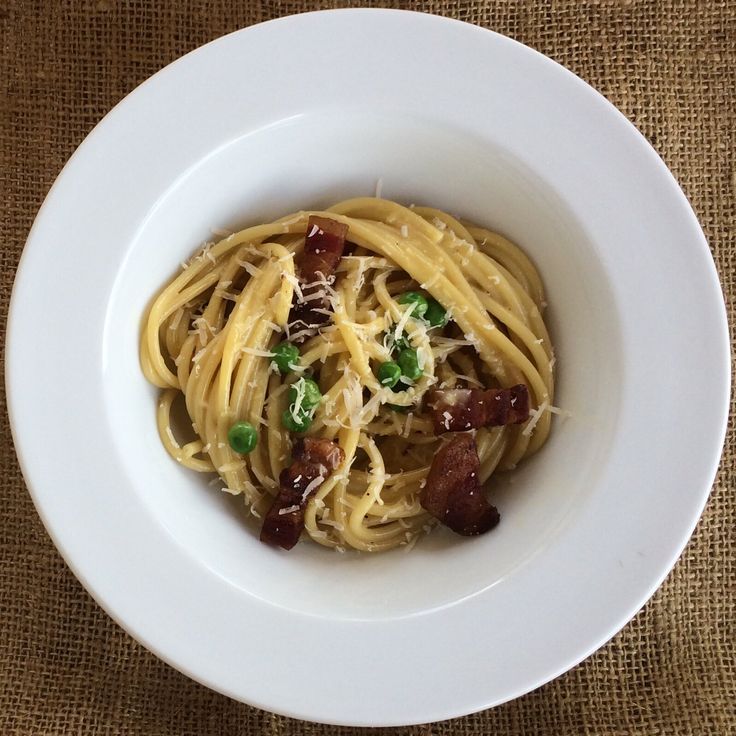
(205, 640)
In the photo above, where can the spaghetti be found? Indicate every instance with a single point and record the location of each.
(451, 305)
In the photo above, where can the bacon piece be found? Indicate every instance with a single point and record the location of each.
(459, 409)
(453, 493)
(311, 459)
(324, 245)
(323, 248)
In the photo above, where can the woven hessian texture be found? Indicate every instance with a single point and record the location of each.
(66, 668)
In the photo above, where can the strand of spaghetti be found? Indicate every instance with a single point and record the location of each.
(183, 361)
(423, 430)
(335, 486)
(448, 221)
(358, 358)
(491, 280)
(530, 341)
(175, 331)
(277, 440)
(372, 495)
(512, 258)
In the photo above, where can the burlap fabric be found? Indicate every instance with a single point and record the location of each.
(66, 668)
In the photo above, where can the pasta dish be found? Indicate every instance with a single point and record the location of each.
(356, 374)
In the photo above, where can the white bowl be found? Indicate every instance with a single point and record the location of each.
(300, 113)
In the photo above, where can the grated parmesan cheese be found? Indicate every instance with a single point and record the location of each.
(401, 324)
(300, 388)
(440, 341)
(297, 336)
(448, 418)
(255, 351)
(563, 414)
(249, 268)
(472, 340)
(312, 485)
(198, 355)
(228, 295)
(371, 407)
(421, 358)
(536, 415)
(229, 467)
(295, 283)
(470, 379)
(177, 319)
(410, 542)
(429, 284)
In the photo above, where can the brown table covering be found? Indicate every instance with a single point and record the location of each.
(66, 668)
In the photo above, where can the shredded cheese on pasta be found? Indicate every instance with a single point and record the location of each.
(209, 338)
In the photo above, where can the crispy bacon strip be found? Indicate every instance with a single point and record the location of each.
(453, 493)
(312, 459)
(323, 247)
(459, 409)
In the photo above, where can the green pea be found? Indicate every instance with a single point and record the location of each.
(409, 364)
(242, 437)
(414, 297)
(285, 355)
(312, 394)
(299, 424)
(436, 314)
(389, 374)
